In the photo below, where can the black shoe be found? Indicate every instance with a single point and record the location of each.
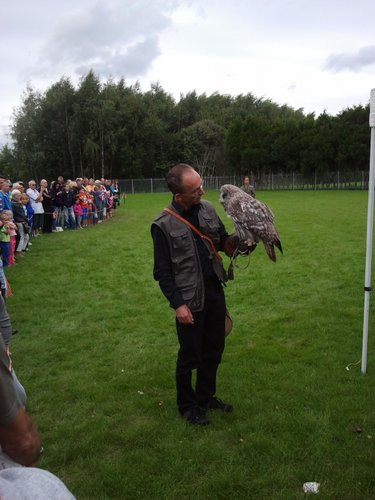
(195, 416)
(218, 404)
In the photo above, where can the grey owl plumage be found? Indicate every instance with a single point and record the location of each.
(253, 220)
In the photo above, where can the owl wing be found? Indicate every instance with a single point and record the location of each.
(254, 222)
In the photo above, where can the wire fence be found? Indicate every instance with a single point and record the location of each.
(267, 182)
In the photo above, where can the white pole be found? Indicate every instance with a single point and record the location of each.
(370, 220)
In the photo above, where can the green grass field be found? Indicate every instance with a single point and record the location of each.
(96, 352)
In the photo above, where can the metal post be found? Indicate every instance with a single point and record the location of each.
(370, 221)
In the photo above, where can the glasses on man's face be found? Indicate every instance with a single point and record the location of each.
(197, 191)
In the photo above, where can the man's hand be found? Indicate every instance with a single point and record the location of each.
(231, 244)
(20, 440)
(184, 315)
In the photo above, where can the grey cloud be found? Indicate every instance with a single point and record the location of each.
(131, 63)
(353, 62)
(118, 38)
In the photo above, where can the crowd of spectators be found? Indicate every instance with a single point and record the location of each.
(26, 210)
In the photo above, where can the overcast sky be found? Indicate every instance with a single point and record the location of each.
(312, 54)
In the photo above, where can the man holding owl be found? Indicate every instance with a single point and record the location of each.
(187, 236)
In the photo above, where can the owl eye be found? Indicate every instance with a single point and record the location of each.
(224, 195)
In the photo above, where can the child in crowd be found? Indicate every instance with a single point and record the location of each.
(12, 231)
(3, 280)
(28, 209)
(20, 219)
(116, 193)
(78, 212)
(97, 205)
(104, 197)
(25, 200)
(110, 205)
(84, 201)
(92, 208)
(7, 227)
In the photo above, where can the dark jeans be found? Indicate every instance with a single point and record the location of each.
(5, 251)
(47, 222)
(38, 221)
(201, 348)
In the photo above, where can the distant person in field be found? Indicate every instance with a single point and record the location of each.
(56, 190)
(78, 212)
(20, 219)
(36, 199)
(191, 276)
(18, 185)
(5, 203)
(68, 198)
(10, 228)
(247, 187)
(48, 207)
(6, 228)
(116, 193)
(28, 209)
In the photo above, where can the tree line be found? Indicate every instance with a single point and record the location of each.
(115, 130)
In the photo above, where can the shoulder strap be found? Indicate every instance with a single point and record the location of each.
(193, 228)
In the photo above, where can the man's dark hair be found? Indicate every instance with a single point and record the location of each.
(174, 177)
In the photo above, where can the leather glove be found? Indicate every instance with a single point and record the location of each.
(245, 249)
(233, 243)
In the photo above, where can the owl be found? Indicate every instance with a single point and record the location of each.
(253, 220)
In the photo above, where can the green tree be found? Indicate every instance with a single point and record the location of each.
(189, 109)
(248, 146)
(8, 164)
(353, 139)
(26, 133)
(318, 144)
(203, 146)
(85, 128)
(115, 130)
(56, 121)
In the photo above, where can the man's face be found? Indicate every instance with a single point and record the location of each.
(192, 190)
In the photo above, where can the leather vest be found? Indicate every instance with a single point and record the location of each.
(185, 262)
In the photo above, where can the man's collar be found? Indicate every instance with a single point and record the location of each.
(180, 209)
